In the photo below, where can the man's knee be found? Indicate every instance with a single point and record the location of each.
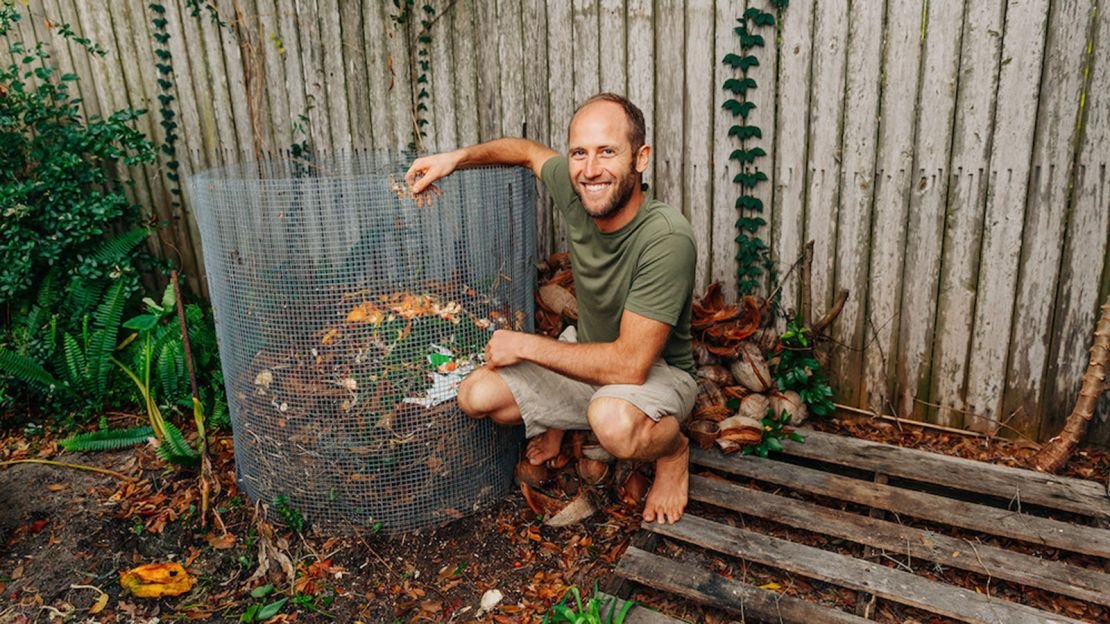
(618, 425)
(483, 393)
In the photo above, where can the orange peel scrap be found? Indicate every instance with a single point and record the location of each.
(156, 580)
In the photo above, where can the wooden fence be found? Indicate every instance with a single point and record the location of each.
(948, 158)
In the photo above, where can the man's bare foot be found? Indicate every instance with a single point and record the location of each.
(667, 498)
(544, 446)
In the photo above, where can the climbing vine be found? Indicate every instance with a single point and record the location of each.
(167, 115)
(753, 255)
(404, 17)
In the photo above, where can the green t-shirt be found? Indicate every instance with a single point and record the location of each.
(646, 267)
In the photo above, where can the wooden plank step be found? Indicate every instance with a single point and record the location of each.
(714, 590)
(899, 540)
(639, 613)
(902, 587)
(1021, 486)
(991, 520)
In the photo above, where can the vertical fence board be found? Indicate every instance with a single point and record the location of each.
(292, 82)
(1054, 147)
(1087, 246)
(901, 64)
(489, 80)
(560, 38)
(586, 48)
(537, 112)
(857, 187)
(791, 130)
(613, 48)
(466, 76)
(826, 128)
(721, 239)
(925, 225)
(1022, 47)
(763, 116)
(312, 74)
(511, 60)
(669, 89)
(334, 76)
(75, 59)
(697, 152)
(440, 71)
(379, 76)
(641, 69)
(978, 81)
(400, 93)
(236, 82)
(352, 55)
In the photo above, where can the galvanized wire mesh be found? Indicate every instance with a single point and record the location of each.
(347, 312)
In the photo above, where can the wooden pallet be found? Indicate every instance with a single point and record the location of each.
(893, 483)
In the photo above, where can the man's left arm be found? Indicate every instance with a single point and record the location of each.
(626, 360)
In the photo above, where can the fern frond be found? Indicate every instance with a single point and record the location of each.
(114, 249)
(27, 370)
(171, 369)
(106, 440)
(175, 450)
(74, 361)
(109, 314)
(48, 294)
(84, 295)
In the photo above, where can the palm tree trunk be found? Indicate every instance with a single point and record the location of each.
(1056, 451)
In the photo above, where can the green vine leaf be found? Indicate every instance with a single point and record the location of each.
(749, 180)
(747, 156)
(737, 108)
(748, 202)
(740, 86)
(745, 132)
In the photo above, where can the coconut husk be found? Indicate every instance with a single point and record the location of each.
(633, 489)
(533, 476)
(741, 430)
(592, 471)
(702, 355)
(716, 373)
(704, 432)
(750, 369)
(790, 402)
(709, 395)
(735, 392)
(715, 413)
(559, 300)
(754, 406)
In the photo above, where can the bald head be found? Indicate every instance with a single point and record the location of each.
(633, 116)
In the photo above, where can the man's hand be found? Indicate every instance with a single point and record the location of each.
(427, 169)
(505, 348)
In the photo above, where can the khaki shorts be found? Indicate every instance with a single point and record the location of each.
(548, 400)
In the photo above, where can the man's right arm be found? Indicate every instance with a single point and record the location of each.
(510, 151)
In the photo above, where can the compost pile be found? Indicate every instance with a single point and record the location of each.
(363, 405)
(735, 349)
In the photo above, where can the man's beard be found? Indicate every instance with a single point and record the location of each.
(625, 186)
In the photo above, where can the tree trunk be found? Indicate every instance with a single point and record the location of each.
(1056, 451)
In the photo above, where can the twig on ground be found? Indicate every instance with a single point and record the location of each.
(51, 462)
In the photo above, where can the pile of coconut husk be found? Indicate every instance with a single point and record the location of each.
(734, 347)
(734, 351)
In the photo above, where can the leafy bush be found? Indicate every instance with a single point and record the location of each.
(57, 196)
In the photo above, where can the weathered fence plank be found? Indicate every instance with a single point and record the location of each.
(925, 223)
(857, 187)
(613, 49)
(1022, 47)
(1053, 153)
(967, 194)
(697, 152)
(901, 61)
(791, 130)
(511, 61)
(670, 25)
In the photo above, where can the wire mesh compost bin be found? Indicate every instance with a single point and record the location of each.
(347, 313)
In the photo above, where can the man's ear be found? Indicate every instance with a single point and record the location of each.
(643, 157)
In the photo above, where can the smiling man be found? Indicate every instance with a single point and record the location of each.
(628, 374)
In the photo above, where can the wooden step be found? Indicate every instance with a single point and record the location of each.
(907, 544)
(984, 518)
(896, 585)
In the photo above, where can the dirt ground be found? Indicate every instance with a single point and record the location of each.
(68, 534)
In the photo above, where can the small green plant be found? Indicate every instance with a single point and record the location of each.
(571, 610)
(775, 430)
(260, 612)
(289, 514)
(799, 370)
